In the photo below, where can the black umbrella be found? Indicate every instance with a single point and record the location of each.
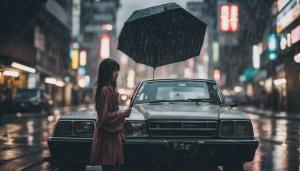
(161, 35)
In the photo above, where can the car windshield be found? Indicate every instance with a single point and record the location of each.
(26, 94)
(180, 91)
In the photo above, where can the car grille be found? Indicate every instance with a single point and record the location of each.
(182, 128)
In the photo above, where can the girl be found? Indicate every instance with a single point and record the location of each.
(107, 147)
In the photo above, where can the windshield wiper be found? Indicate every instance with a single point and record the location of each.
(202, 100)
(160, 101)
(184, 100)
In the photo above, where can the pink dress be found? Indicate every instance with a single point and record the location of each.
(107, 146)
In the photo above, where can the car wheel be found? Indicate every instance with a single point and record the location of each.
(233, 167)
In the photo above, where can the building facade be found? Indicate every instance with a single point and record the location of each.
(34, 46)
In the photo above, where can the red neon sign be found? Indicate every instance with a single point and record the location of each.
(229, 18)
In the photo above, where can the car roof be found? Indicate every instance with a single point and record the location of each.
(179, 79)
(88, 114)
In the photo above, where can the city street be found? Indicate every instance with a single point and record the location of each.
(165, 78)
(23, 143)
(23, 140)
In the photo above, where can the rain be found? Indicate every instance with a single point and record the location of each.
(211, 84)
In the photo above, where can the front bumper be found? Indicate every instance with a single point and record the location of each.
(77, 150)
(217, 151)
(70, 150)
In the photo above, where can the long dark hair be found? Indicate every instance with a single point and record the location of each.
(106, 69)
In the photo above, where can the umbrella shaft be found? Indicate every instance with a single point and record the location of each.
(153, 72)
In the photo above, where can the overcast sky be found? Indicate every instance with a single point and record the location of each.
(128, 6)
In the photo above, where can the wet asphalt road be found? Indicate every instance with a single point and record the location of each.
(23, 142)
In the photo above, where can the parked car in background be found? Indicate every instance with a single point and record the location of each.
(32, 100)
(240, 98)
(175, 124)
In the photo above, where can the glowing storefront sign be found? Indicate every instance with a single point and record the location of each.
(10, 73)
(283, 42)
(290, 13)
(229, 18)
(76, 17)
(75, 59)
(297, 58)
(105, 46)
(295, 35)
(23, 67)
(281, 4)
(289, 39)
(256, 56)
(83, 58)
(216, 53)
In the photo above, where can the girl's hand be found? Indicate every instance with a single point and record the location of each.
(127, 112)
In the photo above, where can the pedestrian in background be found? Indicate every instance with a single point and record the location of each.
(275, 99)
(107, 149)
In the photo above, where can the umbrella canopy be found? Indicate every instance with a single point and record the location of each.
(161, 35)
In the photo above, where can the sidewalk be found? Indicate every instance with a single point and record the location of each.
(269, 113)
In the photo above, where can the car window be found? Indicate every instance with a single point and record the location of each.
(176, 90)
(182, 92)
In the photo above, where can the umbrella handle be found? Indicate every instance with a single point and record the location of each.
(153, 72)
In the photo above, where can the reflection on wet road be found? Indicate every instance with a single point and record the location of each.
(23, 143)
(279, 144)
(23, 140)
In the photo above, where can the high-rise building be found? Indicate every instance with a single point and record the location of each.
(34, 45)
(98, 32)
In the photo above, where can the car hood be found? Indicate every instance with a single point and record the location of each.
(175, 111)
(186, 111)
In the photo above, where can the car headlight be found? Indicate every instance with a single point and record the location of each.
(63, 129)
(83, 128)
(135, 129)
(74, 129)
(236, 129)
